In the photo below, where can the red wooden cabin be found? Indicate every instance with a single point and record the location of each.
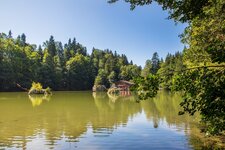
(123, 85)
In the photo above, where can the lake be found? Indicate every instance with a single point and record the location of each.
(86, 120)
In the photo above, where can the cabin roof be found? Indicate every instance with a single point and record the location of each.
(125, 82)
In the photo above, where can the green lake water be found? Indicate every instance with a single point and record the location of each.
(83, 120)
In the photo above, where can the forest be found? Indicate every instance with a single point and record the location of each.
(58, 66)
(70, 67)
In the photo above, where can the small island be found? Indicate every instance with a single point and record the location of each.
(37, 88)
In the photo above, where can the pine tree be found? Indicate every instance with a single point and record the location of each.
(23, 39)
(155, 63)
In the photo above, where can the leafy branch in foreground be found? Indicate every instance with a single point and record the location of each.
(146, 87)
(179, 10)
(203, 91)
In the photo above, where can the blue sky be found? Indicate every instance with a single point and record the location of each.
(94, 23)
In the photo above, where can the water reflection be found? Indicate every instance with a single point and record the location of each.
(82, 117)
(37, 100)
(125, 95)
